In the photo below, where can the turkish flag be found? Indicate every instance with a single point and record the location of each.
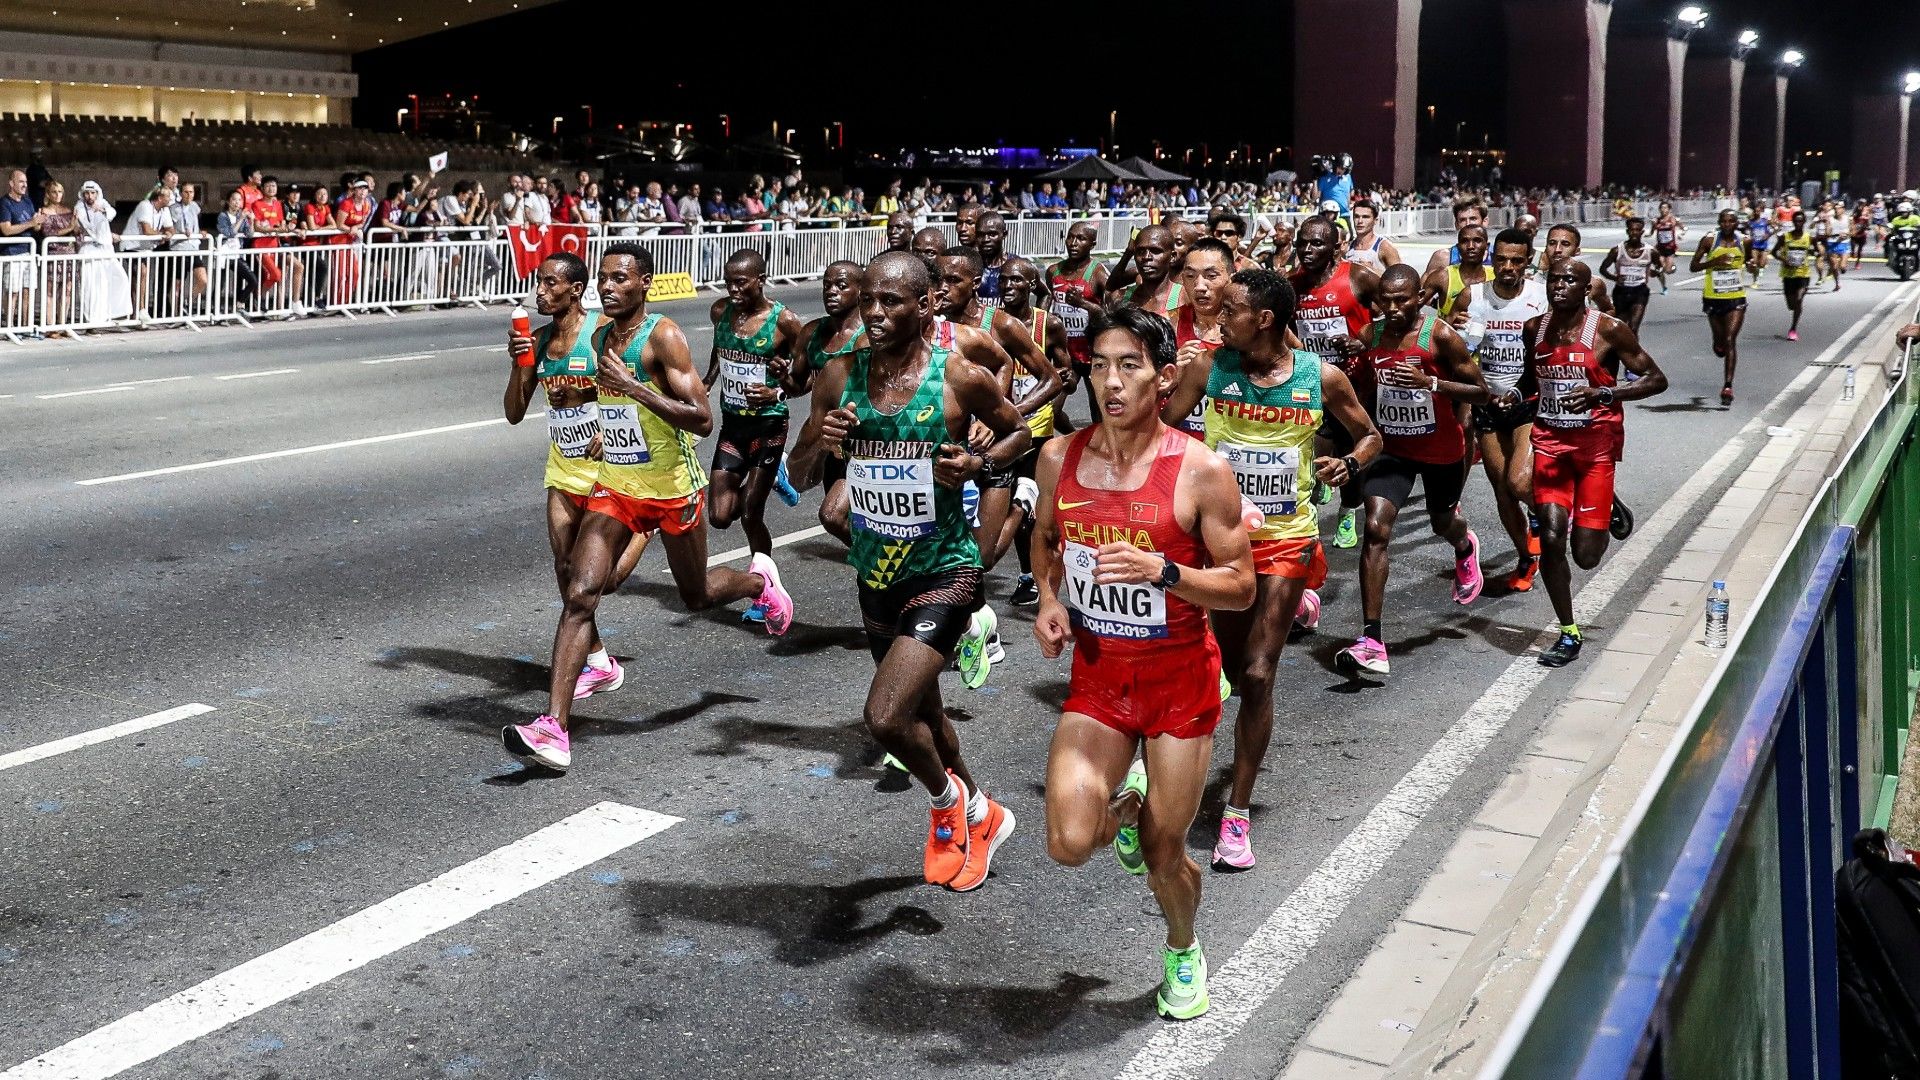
(534, 244)
(529, 244)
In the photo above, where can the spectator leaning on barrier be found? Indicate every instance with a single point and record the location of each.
(689, 206)
(18, 218)
(539, 201)
(187, 236)
(149, 228)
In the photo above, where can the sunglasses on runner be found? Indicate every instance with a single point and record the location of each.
(1226, 230)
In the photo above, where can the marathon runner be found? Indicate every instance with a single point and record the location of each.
(1574, 357)
(1445, 286)
(839, 332)
(1155, 286)
(1759, 240)
(1231, 229)
(899, 232)
(564, 367)
(1264, 410)
(1795, 249)
(1415, 368)
(1667, 232)
(966, 223)
(653, 409)
(1722, 255)
(1009, 349)
(1196, 327)
(991, 234)
(1839, 242)
(1138, 537)
(1369, 249)
(1493, 320)
(754, 340)
(906, 406)
(1563, 242)
(1332, 318)
(1077, 282)
(1020, 283)
(1467, 210)
(1628, 265)
(929, 244)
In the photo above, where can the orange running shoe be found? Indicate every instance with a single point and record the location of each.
(1521, 580)
(982, 841)
(947, 839)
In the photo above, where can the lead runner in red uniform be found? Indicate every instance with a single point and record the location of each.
(1138, 537)
(1573, 360)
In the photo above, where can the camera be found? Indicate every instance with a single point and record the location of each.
(1326, 163)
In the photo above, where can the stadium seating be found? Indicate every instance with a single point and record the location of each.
(223, 146)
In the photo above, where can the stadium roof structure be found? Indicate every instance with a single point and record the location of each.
(324, 26)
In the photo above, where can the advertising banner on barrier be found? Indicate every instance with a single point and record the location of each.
(671, 287)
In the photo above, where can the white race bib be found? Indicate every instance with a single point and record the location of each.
(1023, 384)
(1269, 476)
(1502, 356)
(1316, 335)
(1072, 316)
(1632, 275)
(1725, 281)
(1554, 414)
(621, 440)
(1134, 612)
(1405, 412)
(891, 497)
(1796, 257)
(572, 430)
(735, 377)
(1196, 421)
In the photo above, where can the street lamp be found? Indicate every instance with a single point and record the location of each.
(1691, 18)
(1911, 83)
(1749, 40)
(1790, 62)
(556, 124)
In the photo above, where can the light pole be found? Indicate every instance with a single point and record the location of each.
(1909, 86)
(1687, 22)
(556, 124)
(415, 98)
(1784, 69)
(1113, 123)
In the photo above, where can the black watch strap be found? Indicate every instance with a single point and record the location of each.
(1353, 467)
(1169, 574)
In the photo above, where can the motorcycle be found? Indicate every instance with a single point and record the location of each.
(1903, 251)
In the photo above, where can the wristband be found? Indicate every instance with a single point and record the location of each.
(1353, 467)
(1606, 395)
(1435, 387)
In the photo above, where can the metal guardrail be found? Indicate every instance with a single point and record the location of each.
(389, 270)
(1706, 945)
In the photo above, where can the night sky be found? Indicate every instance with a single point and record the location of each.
(1218, 73)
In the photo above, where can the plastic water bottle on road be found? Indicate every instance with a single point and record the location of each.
(1846, 388)
(1717, 611)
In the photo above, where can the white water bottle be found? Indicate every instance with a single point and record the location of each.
(1846, 388)
(1717, 611)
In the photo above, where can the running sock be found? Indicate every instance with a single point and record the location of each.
(976, 808)
(1236, 812)
(598, 658)
(1371, 628)
(946, 799)
(1572, 630)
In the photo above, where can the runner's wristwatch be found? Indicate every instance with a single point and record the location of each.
(1169, 574)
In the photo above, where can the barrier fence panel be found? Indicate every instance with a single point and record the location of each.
(1706, 946)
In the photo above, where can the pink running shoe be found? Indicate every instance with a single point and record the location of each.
(1793, 335)
(1234, 853)
(774, 596)
(595, 680)
(1467, 581)
(543, 742)
(1363, 656)
(1308, 617)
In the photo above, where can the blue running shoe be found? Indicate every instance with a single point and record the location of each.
(783, 488)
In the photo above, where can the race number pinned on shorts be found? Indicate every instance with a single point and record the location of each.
(1405, 412)
(572, 430)
(1133, 612)
(892, 498)
(621, 441)
(1269, 476)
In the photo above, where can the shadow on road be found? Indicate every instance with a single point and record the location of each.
(807, 924)
(997, 1024)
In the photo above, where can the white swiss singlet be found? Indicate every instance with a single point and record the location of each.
(1632, 272)
(1502, 352)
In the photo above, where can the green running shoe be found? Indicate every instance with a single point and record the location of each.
(1226, 687)
(1348, 535)
(1126, 842)
(971, 656)
(1183, 990)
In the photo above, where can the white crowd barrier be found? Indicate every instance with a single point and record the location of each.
(59, 290)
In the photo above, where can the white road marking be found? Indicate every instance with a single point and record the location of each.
(409, 356)
(779, 541)
(150, 382)
(99, 735)
(257, 374)
(296, 451)
(1242, 985)
(84, 393)
(355, 941)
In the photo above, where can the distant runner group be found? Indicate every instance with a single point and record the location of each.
(1173, 543)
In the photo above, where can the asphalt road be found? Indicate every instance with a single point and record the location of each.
(363, 619)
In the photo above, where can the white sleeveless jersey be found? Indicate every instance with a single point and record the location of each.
(1369, 257)
(1631, 271)
(1502, 351)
